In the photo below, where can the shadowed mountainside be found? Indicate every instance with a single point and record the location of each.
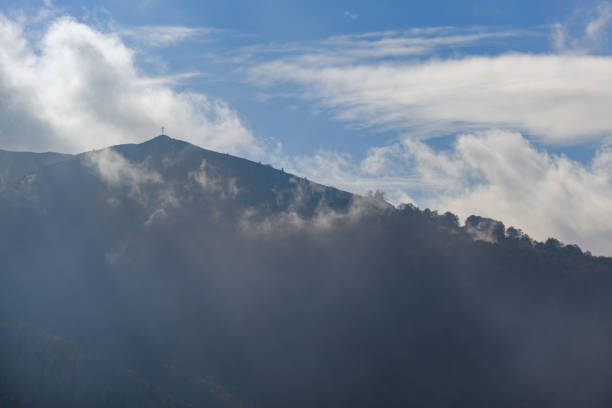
(162, 274)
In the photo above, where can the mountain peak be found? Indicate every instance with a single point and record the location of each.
(159, 139)
(165, 142)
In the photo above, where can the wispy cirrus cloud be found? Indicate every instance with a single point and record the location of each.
(430, 82)
(375, 47)
(164, 36)
(351, 15)
(584, 31)
(556, 98)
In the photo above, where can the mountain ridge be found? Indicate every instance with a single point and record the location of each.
(197, 271)
(163, 144)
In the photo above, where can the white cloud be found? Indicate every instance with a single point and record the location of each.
(163, 36)
(377, 159)
(139, 179)
(253, 222)
(350, 15)
(495, 174)
(117, 171)
(376, 46)
(414, 42)
(342, 171)
(46, 12)
(209, 180)
(395, 81)
(546, 195)
(559, 36)
(76, 89)
(398, 80)
(596, 27)
(556, 98)
(585, 30)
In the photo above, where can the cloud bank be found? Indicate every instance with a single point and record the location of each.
(76, 89)
(444, 81)
(497, 174)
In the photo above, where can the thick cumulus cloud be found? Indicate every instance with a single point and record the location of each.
(547, 195)
(496, 174)
(75, 89)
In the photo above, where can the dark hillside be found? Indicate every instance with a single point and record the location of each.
(162, 274)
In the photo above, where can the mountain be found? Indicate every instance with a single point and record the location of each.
(163, 274)
(16, 165)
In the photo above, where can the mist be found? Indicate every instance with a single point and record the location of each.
(164, 274)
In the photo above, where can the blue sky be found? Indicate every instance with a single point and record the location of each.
(499, 108)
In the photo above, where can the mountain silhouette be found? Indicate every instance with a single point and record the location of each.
(163, 274)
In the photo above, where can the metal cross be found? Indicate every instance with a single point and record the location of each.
(163, 130)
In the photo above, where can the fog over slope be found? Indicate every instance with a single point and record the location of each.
(162, 274)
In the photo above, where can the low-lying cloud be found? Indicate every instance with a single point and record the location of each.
(323, 219)
(207, 178)
(138, 179)
(118, 172)
(496, 174)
